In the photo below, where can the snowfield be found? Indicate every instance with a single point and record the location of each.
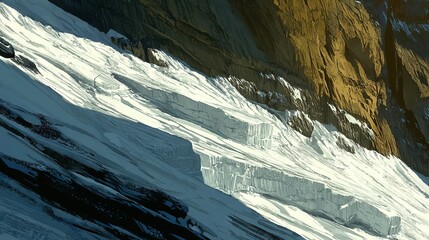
(190, 136)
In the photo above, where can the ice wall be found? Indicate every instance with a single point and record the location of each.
(313, 197)
(249, 131)
(180, 155)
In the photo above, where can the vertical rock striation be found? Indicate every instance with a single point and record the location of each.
(368, 58)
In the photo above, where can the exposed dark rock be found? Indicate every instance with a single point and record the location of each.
(348, 53)
(142, 211)
(135, 47)
(152, 58)
(72, 195)
(301, 123)
(344, 144)
(6, 49)
(27, 63)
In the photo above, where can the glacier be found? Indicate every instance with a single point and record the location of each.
(232, 176)
(190, 135)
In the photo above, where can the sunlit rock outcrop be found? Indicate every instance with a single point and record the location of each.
(341, 52)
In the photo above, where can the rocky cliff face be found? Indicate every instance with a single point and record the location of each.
(368, 58)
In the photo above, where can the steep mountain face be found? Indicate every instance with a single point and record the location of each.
(407, 66)
(368, 58)
(96, 143)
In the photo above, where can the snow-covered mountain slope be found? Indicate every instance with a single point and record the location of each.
(90, 108)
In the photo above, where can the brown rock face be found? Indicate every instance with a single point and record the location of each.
(370, 59)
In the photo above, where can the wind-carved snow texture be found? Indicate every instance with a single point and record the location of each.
(222, 174)
(146, 122)
(232, 176)
(215, 119)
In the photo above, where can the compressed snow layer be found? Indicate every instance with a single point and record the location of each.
(233, 176)
(108, 118)
(212, 118)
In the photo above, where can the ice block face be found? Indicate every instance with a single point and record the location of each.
(315, 198)
(242, 129)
